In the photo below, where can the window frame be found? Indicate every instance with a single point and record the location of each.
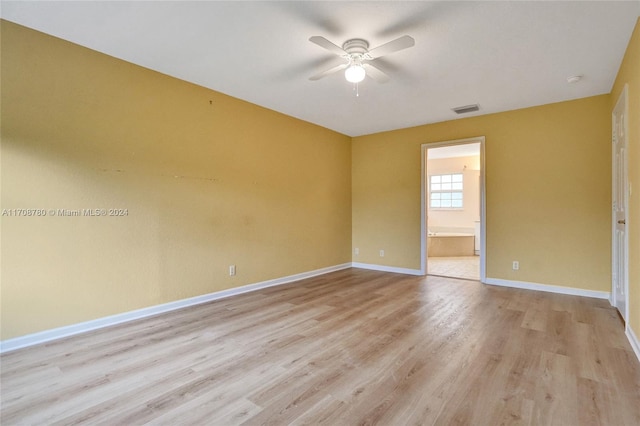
(450, 191)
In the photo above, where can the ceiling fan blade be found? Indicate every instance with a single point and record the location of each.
(393, 46)
(376, 74)
(327, 72)
(323, 42)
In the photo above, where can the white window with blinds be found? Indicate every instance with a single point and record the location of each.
(445, 191)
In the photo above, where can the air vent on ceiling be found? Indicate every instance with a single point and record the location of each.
(465, 109)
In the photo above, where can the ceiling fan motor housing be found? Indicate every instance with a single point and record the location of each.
(356, 46)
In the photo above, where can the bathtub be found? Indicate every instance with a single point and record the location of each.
(450, 244)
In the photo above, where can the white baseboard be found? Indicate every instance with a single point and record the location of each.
(633, 339)
(83, 327)
(548, 288)
(387, 268)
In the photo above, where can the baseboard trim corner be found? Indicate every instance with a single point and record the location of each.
(384, 268)
(83, 327)
(548, 288)
(633, 340)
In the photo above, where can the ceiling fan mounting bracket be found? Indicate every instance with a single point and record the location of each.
(356, 45)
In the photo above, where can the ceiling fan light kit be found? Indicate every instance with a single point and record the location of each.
(355, 73)
(357, 56)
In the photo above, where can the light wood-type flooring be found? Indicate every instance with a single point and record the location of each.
(351, 347)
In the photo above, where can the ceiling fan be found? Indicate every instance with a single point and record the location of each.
(357, 55)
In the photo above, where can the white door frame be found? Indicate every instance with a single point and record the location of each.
(423, 204)
(625, 193)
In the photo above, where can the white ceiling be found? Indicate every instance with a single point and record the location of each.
(501, 55)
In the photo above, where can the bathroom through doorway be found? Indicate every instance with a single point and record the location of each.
(453, 203)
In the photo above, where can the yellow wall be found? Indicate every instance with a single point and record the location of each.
(208, 181)
(548, 188)
(629, 73)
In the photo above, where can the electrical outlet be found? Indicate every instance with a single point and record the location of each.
(232, 270)
(516, 265)
(356, 251)
(381, 253)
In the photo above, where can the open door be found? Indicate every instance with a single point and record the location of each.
(620, 193)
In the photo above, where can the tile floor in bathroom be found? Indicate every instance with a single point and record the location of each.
(467, 267)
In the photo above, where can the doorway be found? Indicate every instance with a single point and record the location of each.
(453, 209)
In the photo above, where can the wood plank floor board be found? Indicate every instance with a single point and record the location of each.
(350, 347)
(596, 405)
(556, 402)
